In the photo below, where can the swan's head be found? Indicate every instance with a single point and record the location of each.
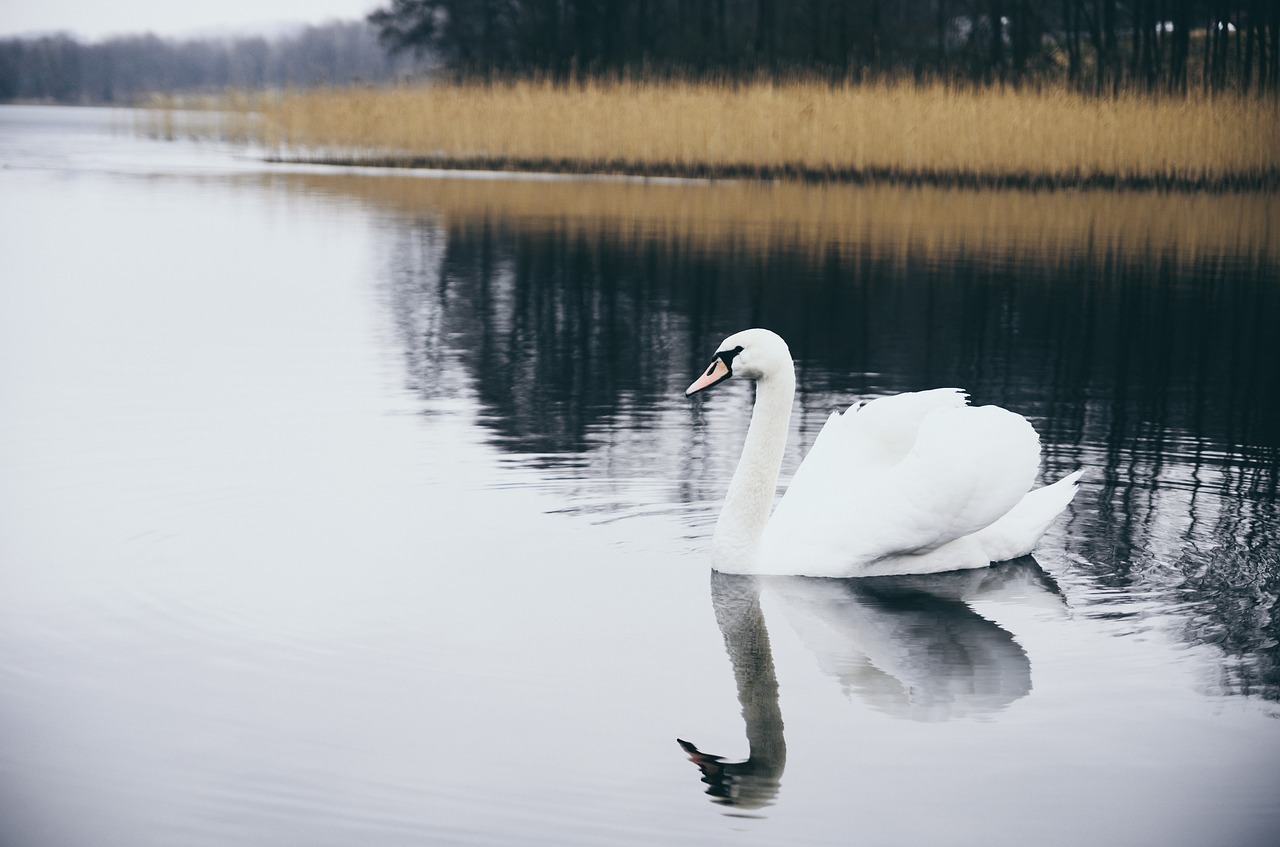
(752, 353)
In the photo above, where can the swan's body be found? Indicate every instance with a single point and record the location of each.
(913, 483)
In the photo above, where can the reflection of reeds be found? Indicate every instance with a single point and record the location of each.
(934, 133)
(919, 221)
(230, 117)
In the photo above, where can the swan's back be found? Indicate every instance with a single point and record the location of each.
(906, 474)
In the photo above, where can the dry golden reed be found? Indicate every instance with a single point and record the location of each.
(812, 129)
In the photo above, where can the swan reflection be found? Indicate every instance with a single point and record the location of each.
(752, 783)
(909, 646)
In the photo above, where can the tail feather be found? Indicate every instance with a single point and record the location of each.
(1017, 532)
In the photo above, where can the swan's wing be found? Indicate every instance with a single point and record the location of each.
(874, 434)
(968, 468)
(908, 477)
(863, 441)
(866, 438)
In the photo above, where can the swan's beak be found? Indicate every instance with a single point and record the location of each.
(718, 372)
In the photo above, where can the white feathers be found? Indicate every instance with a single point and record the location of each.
(914, 483)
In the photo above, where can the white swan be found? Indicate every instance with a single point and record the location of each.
(914, 483)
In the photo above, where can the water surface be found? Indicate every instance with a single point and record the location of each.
(349, 508)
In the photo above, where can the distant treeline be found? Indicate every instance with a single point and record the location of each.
(1091, 45)
(125, 69)
(1098, 45)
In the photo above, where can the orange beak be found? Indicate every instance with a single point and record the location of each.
(716, 373)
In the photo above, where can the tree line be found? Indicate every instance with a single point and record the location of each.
(1098, 45)
(1092, 45)
(123, 70)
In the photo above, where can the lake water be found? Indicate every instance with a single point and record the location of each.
(346, 508)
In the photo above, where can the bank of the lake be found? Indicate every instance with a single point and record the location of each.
(937, 134)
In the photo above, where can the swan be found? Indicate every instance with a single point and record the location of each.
(908, 484)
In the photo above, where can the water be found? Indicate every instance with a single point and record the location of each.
(348, 508)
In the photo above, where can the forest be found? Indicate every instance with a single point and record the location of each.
(1091, 46)
(124, 70)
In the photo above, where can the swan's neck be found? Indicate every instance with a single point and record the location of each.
(750, 498)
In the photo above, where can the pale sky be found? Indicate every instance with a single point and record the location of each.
(95, 19)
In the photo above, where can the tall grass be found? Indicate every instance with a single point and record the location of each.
(935, 133)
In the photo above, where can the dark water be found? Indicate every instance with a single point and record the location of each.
(364, 509)
(1160, 377)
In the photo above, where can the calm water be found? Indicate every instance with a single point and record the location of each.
(355, 509)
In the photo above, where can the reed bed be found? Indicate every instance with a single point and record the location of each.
(890, 223)
(900, 132)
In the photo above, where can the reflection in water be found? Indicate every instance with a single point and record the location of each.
(909, 646)
(1135, 331)
(302, 617)
(752, 783)
(907, 224)
(912, 646)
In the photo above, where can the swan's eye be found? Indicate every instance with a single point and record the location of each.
(726, 356)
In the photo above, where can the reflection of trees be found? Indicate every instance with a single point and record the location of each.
(559, 335)
(1157, 374)
(1183, 419)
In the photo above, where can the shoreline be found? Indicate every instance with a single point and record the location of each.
(805, 132)
(1266, 181)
